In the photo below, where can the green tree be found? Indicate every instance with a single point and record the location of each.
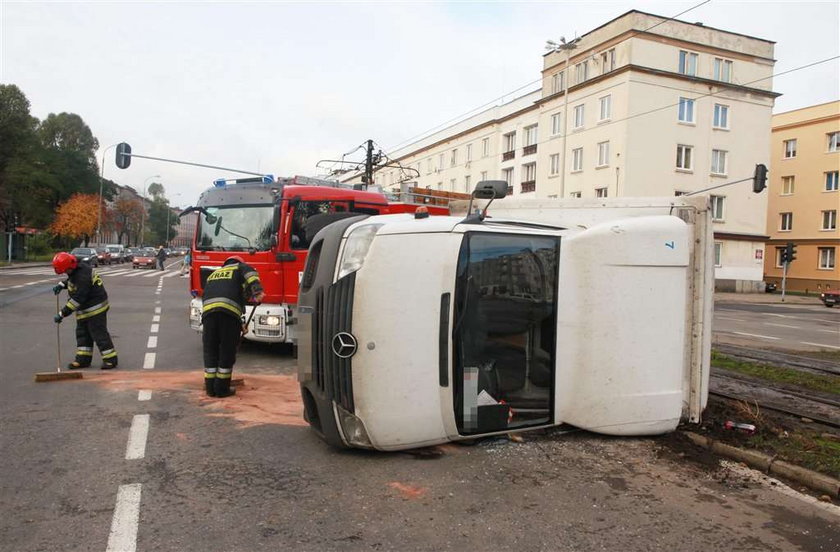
(17, 140)
(161, 216)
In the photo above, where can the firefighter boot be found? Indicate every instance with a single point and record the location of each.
(77, 366)
(109, 363)
(223, 388)
(210, 381)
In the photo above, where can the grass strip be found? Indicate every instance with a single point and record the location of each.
(816, 382)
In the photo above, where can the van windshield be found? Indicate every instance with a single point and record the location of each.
(504, 331)
(235, 228)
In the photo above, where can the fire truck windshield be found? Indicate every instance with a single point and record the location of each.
(235, 228)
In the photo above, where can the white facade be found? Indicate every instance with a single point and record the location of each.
(655, 107)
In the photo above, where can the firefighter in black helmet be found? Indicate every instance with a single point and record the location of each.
(225, 294)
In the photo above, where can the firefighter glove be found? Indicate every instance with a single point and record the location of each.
(57, 289)
(58, 318)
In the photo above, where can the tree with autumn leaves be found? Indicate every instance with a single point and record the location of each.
(76, 218)
(125, 217)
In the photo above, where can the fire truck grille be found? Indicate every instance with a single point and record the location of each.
(333, 309)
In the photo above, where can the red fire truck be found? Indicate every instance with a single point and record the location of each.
(270, 224)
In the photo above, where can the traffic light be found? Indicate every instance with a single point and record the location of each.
(790, 252)
(759, 178)
(123, 155)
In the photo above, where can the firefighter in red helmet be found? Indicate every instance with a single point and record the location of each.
(89, 301)
(227, 290)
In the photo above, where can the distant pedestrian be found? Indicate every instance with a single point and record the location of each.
(161, 256)
(185, 267)
(89, 300)
(227, 290)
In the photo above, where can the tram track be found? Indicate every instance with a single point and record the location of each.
(776, 358)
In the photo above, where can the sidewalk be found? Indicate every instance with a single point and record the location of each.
(767, 298)
(24, 264)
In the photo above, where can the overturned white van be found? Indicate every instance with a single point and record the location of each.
(421, 330)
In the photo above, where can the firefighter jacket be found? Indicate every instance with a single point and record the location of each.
(228, 287)
(87, 293)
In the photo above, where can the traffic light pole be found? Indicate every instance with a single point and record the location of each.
(784, 278)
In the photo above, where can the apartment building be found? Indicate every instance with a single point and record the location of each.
(641, 106)
(803, 197)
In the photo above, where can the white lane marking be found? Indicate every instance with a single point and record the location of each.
(727, 318)
(171, 274)
(157, 310)
(756, 335)
(781, 325)
(835, 332)
(155, 328)
(137, 435)
(157, 302)
(144, 395)
(152, 342)
(801, 318)
(123, 537)
(149, 361)
(17, 286)
(150, 274)
(156, 318)
(820, 345)
(134, 275)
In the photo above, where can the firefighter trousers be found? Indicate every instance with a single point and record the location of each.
(220, 339)
(94, 330)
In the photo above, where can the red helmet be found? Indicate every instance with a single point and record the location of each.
(62, 262)
(234, 259)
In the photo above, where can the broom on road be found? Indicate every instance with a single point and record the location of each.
(58, 375)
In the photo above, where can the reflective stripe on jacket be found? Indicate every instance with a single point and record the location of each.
(87, 293)
(228, 287)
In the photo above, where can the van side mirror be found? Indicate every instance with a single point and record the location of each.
(491, 189)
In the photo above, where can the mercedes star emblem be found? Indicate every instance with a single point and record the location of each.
(344, 345)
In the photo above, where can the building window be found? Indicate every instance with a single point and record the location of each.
(554, 164)
(788, 184)
(558, 82)
(529, 177)
(575, 194)
(510, 146)
(577, 159)
(451, 184)
(833, 141)
(723, 70)
(717, 207)
(827, 258)
(429, 165)
(467, 183)
(831, 181)
(440, 162)
(600, 192)
(607, 61)
(718, 253)
(556, 124)
(606, 108)
(790, 149)
(485, 147)
(469, 153)
(829, 220)
(684, 155)
(483, 175)
(718, 162)
(507, 176)
(721, 118)
(688, 63)
(785, 222)
(685, 113)
(579, 116)
(603, 154)
(453, 158)
(581, 71)
(530, 146)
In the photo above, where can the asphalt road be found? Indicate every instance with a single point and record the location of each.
(138, 459)
(795, 327)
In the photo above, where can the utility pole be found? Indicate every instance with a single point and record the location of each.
(368, 180)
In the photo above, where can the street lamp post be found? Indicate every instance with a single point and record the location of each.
(101, 183)
(143, 217)
(566, 47)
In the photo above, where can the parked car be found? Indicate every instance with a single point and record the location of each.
(129, 253)
(769, 287)
(117, 252)
(86, 254)
(103, 255)
(830, 297)
(144, 258)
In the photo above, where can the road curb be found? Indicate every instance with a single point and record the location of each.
(768, 464)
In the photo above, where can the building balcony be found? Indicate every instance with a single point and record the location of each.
(528, 186)
(529, 150)
(508, 155)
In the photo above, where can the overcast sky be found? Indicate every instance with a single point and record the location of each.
(277, 86)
